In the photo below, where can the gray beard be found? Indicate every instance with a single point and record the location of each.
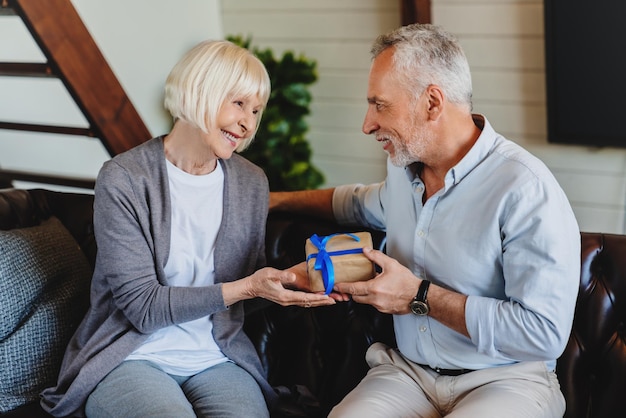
(403, 157)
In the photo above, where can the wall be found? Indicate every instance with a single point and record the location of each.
(338, 35)
(141, 40)
(503, 40)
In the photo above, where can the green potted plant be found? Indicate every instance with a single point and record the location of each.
(281, 148)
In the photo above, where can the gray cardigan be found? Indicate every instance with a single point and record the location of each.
(130, 298)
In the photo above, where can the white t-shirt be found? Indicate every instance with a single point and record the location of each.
(188, 348)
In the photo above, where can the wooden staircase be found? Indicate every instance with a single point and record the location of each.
(73, 57)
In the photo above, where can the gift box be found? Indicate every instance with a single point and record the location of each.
(338, 258)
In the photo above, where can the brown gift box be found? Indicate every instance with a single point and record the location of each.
(347, 267)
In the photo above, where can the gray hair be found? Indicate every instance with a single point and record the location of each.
(426, 54)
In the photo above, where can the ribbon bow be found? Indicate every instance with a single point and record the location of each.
(323, 261)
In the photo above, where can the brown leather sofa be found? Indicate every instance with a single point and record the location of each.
(315, 356)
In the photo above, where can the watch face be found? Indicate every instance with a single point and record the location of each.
(419, 307)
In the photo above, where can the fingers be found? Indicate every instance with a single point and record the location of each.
(339, 297)
(376, 256)
(286, 277)
(299, 268)
(306, 303)
(310, 300)
(291, 287)
(352, 288)
(301, 280)
(287, 297)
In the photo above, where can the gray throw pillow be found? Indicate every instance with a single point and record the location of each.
(44, 292)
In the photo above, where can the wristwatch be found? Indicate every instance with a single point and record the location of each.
(419, 304)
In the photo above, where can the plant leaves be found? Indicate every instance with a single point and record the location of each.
(280, 147)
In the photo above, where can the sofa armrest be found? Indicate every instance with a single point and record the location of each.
(592, 370)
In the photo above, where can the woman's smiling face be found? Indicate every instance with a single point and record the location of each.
(236, 121)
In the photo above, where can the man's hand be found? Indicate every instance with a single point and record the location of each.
(393, 289)
(390, 291)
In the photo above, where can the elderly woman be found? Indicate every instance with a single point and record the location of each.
(180, 226)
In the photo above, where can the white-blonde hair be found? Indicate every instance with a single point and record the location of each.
(207, 76)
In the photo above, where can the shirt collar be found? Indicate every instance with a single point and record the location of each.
(479, 151)
(473, 158)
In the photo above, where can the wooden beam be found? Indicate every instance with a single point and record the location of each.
(76, 59)
(51, 129)
(27, 69)
(7, 176)
(415, 11)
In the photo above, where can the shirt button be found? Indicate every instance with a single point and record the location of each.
(420, 233)
(419, 189)
(423, 328)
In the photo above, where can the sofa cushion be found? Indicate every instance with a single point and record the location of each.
(44, 285)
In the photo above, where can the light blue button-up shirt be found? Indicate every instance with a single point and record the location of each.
(501, 231)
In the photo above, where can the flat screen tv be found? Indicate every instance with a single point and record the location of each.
(585, 45)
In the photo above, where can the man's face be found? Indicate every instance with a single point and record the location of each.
(396, 118)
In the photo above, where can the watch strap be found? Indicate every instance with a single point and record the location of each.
(422, 292)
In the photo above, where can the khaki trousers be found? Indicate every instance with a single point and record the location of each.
(396, 387)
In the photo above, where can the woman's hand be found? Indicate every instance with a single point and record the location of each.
(303, 283)
(277, 286)
(302, 278)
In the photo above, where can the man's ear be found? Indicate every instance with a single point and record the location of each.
(435, 101)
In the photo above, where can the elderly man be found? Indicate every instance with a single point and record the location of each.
(482, 258)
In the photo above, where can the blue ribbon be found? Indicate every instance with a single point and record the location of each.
(323, 261)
